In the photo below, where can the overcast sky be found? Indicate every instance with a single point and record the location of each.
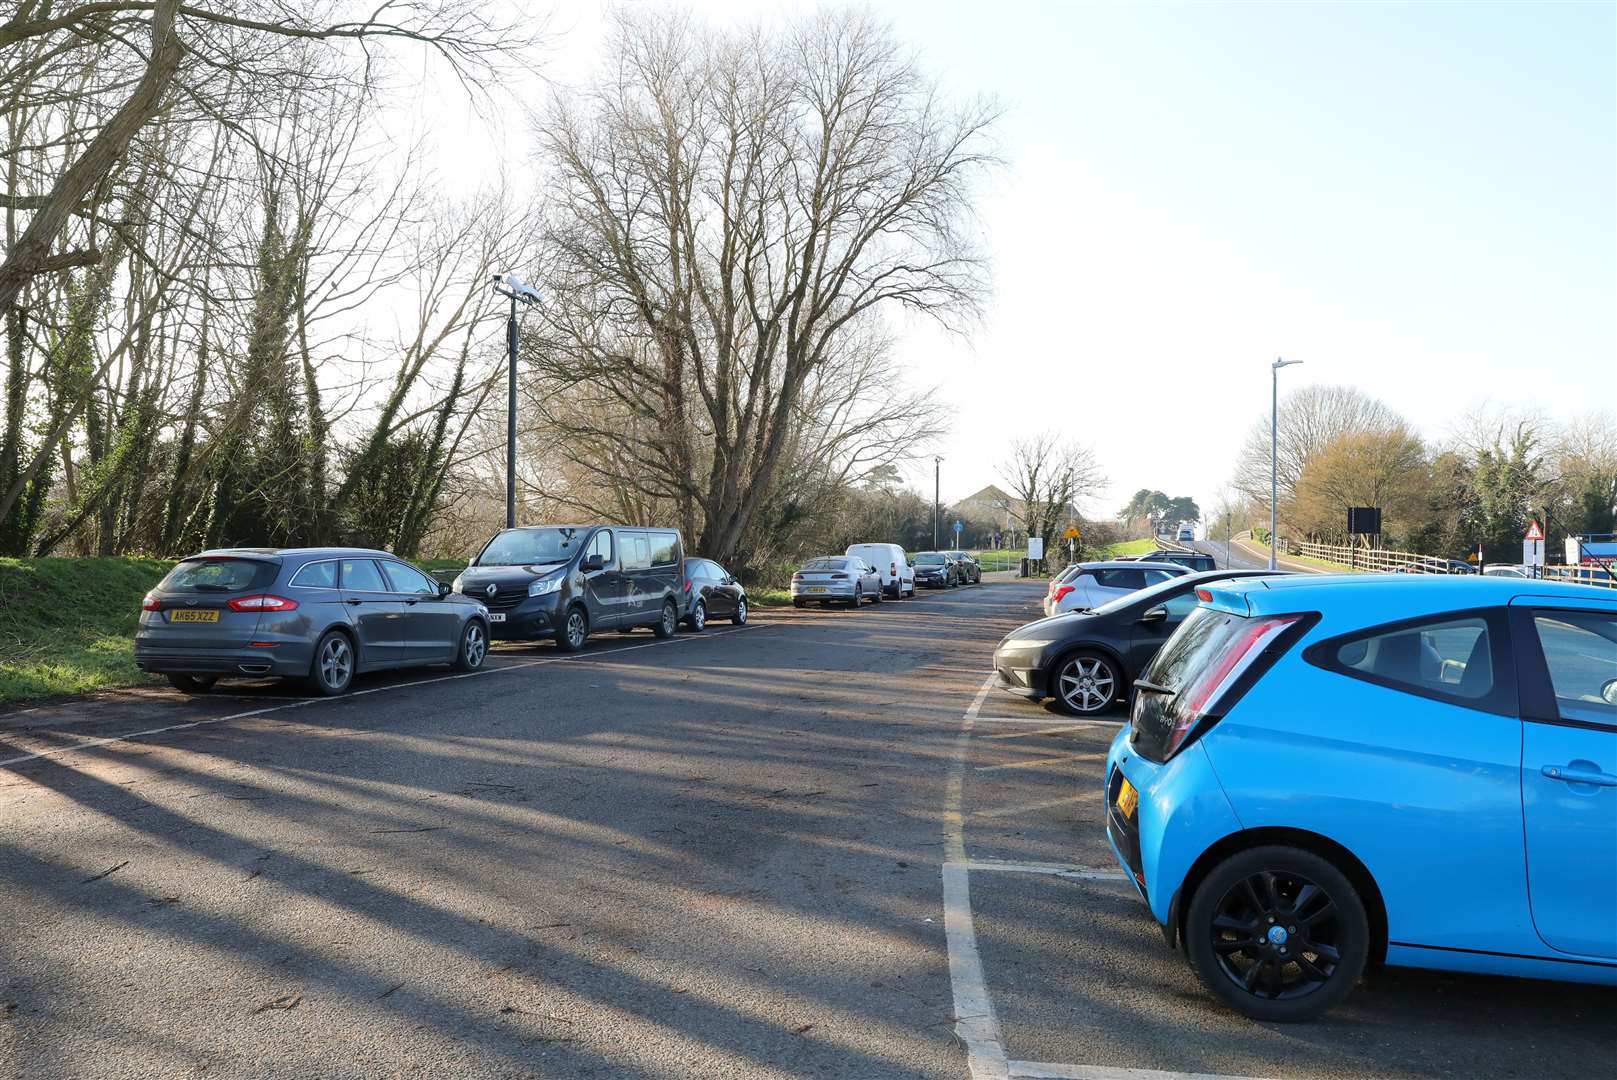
(1416, 199)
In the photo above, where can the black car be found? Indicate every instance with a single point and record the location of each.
(1086, 660)
(319, 614)
(1195, 561)
(566, 581)
(712, 592)
(970, 571)
(935, 570)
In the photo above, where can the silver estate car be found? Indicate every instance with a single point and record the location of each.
(319, 614)
(1089, 585)
(845, 579)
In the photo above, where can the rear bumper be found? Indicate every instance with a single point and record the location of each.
(828, 592)
(281, 661)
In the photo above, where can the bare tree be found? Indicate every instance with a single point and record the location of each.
(730, 213)
(1048, 479)
(1310, 417)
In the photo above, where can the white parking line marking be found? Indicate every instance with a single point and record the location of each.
(1037, 763)
(1077, 873)
(1016, 811)
(1045, 720)
(89, 744)
(1044, 1070)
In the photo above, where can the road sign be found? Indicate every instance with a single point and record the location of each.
(1072, 533)
(1535, 531)
(1532, 552)
(1035, 547)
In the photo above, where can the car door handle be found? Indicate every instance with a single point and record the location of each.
(1579, 776)
(351, 600)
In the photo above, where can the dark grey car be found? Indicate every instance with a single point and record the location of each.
(321, 614)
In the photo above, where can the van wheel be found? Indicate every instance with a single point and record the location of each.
(473, 647)
(332, 670)
(575, 631)
(698, 619)
(669, 622)
(1277, 933)
(192, 684)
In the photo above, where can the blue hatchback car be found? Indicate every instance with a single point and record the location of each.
(1320, 774)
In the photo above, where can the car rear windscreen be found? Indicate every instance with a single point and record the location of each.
(219, 575)
(1192, 650)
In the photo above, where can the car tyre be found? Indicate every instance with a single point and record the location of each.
(740, 617)
(878, 596)
(331, 672)
(697, 620)
(800, 604)
(575, 630)
(1246, 920)
(192, 684)
(669, 622)
(473, 646)
(1086, 683)
(858, 600)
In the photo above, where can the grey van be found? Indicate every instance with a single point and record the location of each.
(565, 582)
(321, 614)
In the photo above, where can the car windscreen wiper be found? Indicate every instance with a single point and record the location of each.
(1155, 688)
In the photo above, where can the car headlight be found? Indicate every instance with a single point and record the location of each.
(1026, 643)
(544, 586)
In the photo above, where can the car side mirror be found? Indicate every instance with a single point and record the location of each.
(593, 563)
(444, 589)
(1155, 615)
(1608, 691)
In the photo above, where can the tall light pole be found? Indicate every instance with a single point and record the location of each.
(937, 504)
(518, 291)
(1274, 453)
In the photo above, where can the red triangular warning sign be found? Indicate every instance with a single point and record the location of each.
(1534, 532)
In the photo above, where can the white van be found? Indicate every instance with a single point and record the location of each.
(892, 565)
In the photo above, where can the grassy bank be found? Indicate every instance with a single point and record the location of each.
(66, 625)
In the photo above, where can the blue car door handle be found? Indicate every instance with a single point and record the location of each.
(1579, 776)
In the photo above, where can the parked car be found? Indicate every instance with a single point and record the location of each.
(565, 582)
(935, 570)
(712, 592)
(832, 579)
(1194, 561)
(1326, 773)
(969, 569)
(1086, 661)
(319, 614)
(892, 566)
(1510, 570)
(1093, 584)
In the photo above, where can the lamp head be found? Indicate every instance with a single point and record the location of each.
(1278, 364)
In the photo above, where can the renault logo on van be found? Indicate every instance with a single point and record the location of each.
(491, 590)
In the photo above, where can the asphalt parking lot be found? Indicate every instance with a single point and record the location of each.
(814, 846)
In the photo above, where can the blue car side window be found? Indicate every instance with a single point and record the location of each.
(1457, 657)
(1580, 652)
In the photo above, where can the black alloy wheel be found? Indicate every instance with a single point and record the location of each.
(698, 619)
(669, 622)
(192, 684)
(1278, 933)
(574, 631)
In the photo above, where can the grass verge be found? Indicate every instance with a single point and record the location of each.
(67, 626)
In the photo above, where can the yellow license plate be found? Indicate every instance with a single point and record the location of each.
(182, 615)
(1127, 798)
(817, 588)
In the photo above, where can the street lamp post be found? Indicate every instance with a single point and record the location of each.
(937, 504)
(1274, 454)
(517, 291)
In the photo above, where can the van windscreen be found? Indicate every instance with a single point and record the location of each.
(519, 547)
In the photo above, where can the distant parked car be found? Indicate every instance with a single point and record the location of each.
(712, 592)
(566, 582)
(1187, 534)
(319, 614)
(1507, 570)
(1086, 661)
(1324, 774)
(892, 566)
(1194, 561)
(831, 579)
(969, 569)
(1093, 584)
(935, 570)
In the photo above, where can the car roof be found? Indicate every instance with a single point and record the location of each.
(294, 553)
(1392, 596)
(1129, 564)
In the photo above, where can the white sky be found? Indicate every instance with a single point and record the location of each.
(1416, 199)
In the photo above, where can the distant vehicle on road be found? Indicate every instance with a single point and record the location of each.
(566, 582)
(892, 566)
(712, 592)
(1194, 561)
(935, 570)
(968, 568)
(1509, 570)
(1087, 660)
(830, 579)
(1324, 774)
(1093, 584)
(319, 614)
(1187, 534)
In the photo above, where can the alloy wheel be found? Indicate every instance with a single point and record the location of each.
(1275, 935)
(741, 612)
(476, 646)
(575, 629)
(336, 662)
(1087, 684)
(699, 615)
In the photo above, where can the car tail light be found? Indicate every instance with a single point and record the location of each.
(797, 577)
(151, 603)
(841, 577)
(1209, 685)
(687, 584)
(1060, 592)
(264, 602)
